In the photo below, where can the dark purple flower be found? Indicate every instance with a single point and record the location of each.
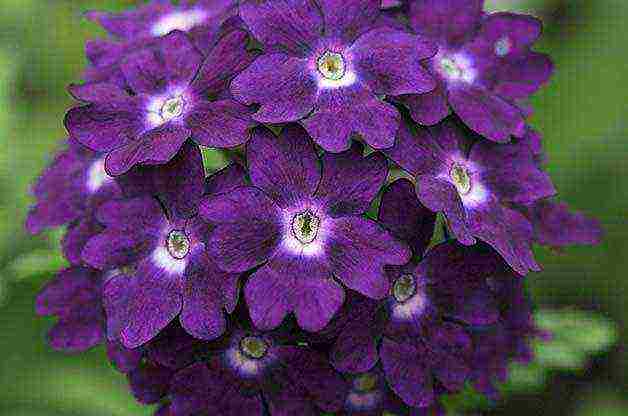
(328, 64)
(174, 94)
(72, 186)
(420, 332)
(484, 65)
(474, 183)
(254, 368)
(305, 227)
(556, 226)
(74, 297)
(143, 26)
(163, 241)
(422, 340)
(509, 340)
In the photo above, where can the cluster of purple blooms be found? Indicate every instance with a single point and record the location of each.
(304, 278)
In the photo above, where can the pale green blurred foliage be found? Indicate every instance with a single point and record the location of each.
(582, 115)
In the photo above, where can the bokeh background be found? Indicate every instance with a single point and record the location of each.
(583, 115)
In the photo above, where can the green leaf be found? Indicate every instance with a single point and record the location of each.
(35, 263)
(575, 336)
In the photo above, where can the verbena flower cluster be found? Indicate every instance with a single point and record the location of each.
(306, 276)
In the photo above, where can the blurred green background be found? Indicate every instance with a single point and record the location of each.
(583, 115)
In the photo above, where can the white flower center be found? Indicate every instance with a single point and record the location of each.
(253, 347)
(172, 108)
(404, 288)
(331, 65)
(365, 383)
(178, 244)
(461, 179)
(503, 46)
(305, 226)
(184, 21)
(97, 176)
(455, 67)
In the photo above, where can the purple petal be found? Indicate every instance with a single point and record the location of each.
(283, 86)
(429, 108)
(71, 287)
(293, 24)
(441, 196)
(137, 214)
(226, 59)
(555, 225)
(419, 153)
(374, 51)
(154, 147)
(350, 181)
(155, 303)
(225, 180)
(449, 21)
(150, 383)
(405, 217)
(311, 372)
(508, 232)
(109, 249)
(204, 299)
(224, 123)
(355, 349)
(77, 236)
(293, 284)
(124, 359)
(106, 127)
(173, 348)
(452, 348)
(348, 19)
(342, 112)
(519, 79)
(406, 372)
(117, 293)
(487, 114)
(79, 332)
(511, 172)
(179, 184)
(98, 92)
(247, 228)
(359, 249)
(520, 31)
(286, 168)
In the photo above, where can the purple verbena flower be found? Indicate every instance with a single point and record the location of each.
(162, 239)
(173, 94)
(328, 64)
(474, 183)
(305, 227)
(202, 20)
(484, 66)
(69, 188)
(556, 226)
(74, 297)
(254, 368)
(509, 340)
(419, 333)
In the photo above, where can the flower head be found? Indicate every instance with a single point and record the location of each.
(484, 65)
(165, 102)
(145, 25)
(74, 297)
(329, 72)
(156, 230)
(254, 368)
(475, 184)
(304, 227)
